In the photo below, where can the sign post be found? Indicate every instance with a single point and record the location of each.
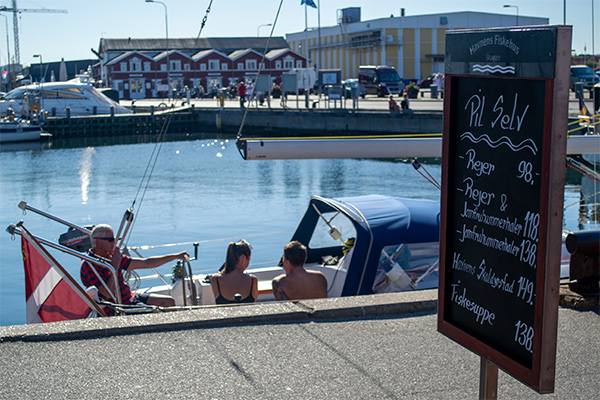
(504, 154)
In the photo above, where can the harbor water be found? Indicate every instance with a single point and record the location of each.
(200, 190)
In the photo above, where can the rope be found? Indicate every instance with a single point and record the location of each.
(239, 134)
(159, 141)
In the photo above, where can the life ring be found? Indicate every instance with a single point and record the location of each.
(35, 107)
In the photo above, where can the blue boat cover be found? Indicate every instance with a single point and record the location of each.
(379, 221)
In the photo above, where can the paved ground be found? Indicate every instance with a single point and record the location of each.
(370, 347)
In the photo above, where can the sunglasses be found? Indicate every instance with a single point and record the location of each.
(108, 239)
(243, 241)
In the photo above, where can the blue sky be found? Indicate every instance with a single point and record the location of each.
(72, 35)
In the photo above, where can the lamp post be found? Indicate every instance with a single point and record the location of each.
(42, 78)
(517, 7)
(258, 29)
(167, 37)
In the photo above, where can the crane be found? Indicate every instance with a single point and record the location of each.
(15, 10)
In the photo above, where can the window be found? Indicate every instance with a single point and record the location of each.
(175, 65)
(163, 67)
(123, 66)
(213, 65)
(288, 63)
(224, 66)
(262, 66)
(202, 67)
(186, 67)
(251, 64)
(135, 65)
(147, 66)
(240, 66)
(298, 63)
(278, 64)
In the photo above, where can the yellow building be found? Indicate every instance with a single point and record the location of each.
(414, 45)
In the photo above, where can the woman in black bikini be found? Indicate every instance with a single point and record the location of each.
(232, 285)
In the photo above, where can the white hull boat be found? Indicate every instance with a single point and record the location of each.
(15, 131)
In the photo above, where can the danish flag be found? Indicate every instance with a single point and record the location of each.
(51, 293)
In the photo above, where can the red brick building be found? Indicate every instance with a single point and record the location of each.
(137, 68)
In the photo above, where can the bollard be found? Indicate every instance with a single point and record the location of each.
(584, 266)
(53, 112)
(133, 108)
(112, 111)
(95, 110)
(434, 91)
(68, 111)
(152, 110)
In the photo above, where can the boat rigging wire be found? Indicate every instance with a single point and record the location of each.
(260, 66)
(160, 140)
(417, 166)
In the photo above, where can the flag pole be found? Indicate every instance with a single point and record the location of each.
(63, 273)
(305, 75)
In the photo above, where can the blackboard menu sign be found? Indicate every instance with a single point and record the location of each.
(505, 113)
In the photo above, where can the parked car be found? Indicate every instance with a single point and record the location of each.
(349, 84)
(584, 74)
(425, 83)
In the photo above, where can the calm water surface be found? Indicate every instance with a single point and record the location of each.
(200, 191)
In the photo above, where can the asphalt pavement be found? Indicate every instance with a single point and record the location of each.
(366, 347)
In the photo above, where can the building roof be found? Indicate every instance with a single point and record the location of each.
(242, 52)
(276, 53)
(224, 45)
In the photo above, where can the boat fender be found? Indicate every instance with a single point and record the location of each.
(398, 276)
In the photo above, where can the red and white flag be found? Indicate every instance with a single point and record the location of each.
(49, 297)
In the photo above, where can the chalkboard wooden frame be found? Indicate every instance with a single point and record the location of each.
(552, 76)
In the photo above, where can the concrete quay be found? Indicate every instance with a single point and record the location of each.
(366, 347)
(370, 116)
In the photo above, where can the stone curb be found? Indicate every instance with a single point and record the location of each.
(222, 316)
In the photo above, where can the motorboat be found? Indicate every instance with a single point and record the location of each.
(19, 131)
(363, 245)
(79, 97)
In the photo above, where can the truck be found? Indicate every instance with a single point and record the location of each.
(381, 80)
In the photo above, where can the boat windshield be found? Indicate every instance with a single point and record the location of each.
(15, 94)
(322, 238)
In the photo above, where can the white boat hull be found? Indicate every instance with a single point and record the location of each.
(19, 133)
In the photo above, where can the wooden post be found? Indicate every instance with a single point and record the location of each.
(488, 381)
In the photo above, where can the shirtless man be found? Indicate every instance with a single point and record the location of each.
(298, 283)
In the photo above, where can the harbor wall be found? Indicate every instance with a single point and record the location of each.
(258, 122)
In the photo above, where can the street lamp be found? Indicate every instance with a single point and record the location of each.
(258, 29)
(167, 36)
(42, 78)
(517, 7)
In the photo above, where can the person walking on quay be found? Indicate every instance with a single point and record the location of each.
(104, 246)
(242, 93)
(298, 283)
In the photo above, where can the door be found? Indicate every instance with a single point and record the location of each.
(138, 89)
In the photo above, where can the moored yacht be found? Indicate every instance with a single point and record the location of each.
(80, 97)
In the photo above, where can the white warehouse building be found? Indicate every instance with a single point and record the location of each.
(414, 45)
